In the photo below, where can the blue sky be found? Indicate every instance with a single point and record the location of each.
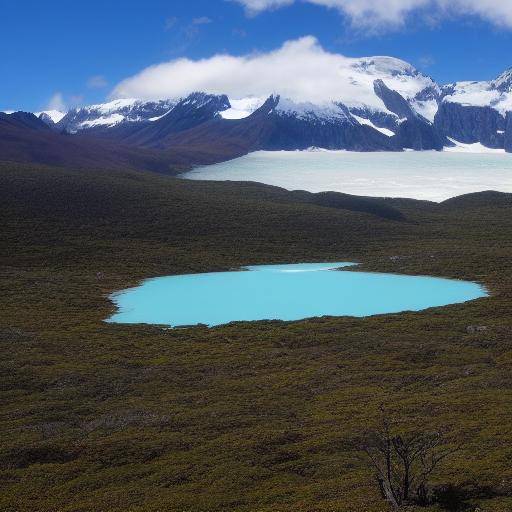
(79, 51)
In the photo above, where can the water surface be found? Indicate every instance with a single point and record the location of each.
(429, 175)
(284, 292)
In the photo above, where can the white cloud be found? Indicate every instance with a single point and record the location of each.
(393, 13)
(97, 82)
(256, 6)
(203, 20)
(300, 70)
(56, 103)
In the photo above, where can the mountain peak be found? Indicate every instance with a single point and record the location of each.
(383, 65)
(112, 113)
(50, 117)
(503, 82)
(25, 120)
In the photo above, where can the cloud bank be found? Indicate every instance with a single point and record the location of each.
(300, 70)
(387, 14)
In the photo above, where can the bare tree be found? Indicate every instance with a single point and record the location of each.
(403, 463)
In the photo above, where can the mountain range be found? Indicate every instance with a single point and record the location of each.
(384, 104)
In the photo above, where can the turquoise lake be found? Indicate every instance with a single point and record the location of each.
(284, 292)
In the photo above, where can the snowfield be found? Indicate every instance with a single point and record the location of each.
(428, 175)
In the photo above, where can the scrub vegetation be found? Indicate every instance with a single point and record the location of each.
(261, 417)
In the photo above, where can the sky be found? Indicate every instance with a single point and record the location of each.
(60, 54)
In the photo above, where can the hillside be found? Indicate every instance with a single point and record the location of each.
(249, 417)
(26, 139)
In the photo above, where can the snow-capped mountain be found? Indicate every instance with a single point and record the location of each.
(107, 115)
(241, 108)
(356, 91)
(382, 103)
(477, 112)
(496, 94)
(50, 117)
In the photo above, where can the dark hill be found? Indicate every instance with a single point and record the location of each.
(26, 139)
(23, 120)
(478, 199)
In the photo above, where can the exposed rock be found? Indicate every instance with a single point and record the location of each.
(46, 119)
(473, 329)
(393, 101)
(418, 134)
(470, 124)
(24, 120)
(414, 131)
(508, 133)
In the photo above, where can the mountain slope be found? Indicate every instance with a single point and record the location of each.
(472, 112)
(273, 128)
(27, 139)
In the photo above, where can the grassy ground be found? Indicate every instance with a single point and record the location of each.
(253, 417)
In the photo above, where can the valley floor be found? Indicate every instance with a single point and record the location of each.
(259, 417)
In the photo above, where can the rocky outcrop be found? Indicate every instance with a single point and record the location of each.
(508, 133)
(419, 135)
(412, 131)
(471, 124)
(46, 119)
(393, 100)
(377, 117)
(23, 120)
(289, 132)
(503, 83)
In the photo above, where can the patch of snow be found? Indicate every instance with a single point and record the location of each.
(107, 108)
(367, 122)
(505, 105)
(481, 94)
(477, 94)
(242, 108)
(115, 112)
(305, 110)
(153, 119)
(477, 147)
(427, 109)
(356, 81)
(54, 115)
(111, 120)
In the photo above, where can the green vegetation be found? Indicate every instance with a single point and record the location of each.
(265, 416)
